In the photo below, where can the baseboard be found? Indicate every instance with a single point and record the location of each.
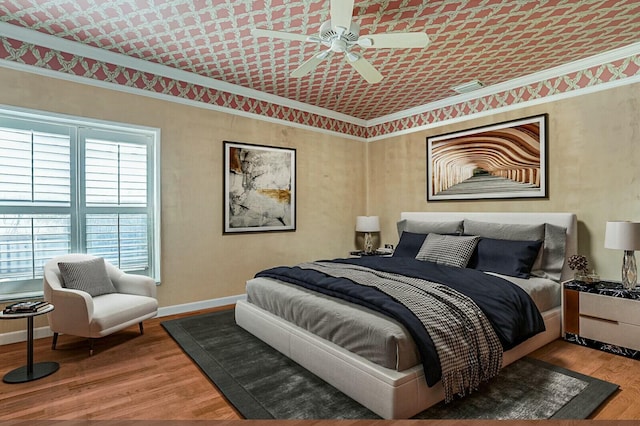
(202, 304)
(21, 336)
(42, 332)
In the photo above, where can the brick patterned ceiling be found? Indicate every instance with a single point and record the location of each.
(489, 40)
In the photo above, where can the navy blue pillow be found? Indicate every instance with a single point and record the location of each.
(508, 257)
(409, 244)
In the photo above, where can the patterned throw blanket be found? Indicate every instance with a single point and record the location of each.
(469, 349)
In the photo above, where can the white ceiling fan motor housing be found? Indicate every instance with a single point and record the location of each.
(350, 36)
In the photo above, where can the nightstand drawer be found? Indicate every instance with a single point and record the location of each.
(610, 308)
(615, 333)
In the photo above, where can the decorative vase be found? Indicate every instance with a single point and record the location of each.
(580, 276)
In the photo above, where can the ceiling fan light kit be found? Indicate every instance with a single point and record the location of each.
(352, 57)
(339, 34)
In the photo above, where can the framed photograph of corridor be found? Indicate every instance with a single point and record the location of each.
(504, 160)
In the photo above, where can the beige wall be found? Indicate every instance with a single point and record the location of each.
(594, 170)
(198, 262)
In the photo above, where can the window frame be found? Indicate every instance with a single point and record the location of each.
(79, 129)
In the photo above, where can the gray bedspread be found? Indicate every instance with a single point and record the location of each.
(359, 330)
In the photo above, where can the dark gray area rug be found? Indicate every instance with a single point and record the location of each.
(261, 383)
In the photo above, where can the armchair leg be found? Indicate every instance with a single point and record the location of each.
(141, 327)
(90, 347)
(54, 341)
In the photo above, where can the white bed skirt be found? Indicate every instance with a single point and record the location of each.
(390, 394)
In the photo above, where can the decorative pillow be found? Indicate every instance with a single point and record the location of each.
(550, 259)
(448, 249)
(418, 227)
(409, 244)
(550, 264)
(89, 276)
(508, 257)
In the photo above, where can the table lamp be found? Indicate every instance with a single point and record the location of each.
(625, 236)
(368, 224)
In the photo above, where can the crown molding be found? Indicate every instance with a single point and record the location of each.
(603, 58)
(169, 98)
(52, 42)
(64, 45)
(513, 107)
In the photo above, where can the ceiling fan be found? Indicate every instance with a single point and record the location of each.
(340, 34)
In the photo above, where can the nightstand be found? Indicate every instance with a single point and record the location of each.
(360, 253)
(603, 316)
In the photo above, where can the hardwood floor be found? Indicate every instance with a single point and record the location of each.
(148, 377)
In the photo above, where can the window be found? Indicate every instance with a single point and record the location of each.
(72, 186)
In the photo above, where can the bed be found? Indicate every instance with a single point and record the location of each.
(321, 332)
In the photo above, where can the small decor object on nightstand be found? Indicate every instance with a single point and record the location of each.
(368, 224)
(379, 252)
(579, 263)
(625, 236)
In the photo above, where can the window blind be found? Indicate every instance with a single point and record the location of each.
(35, 167)
(69, 187)
(116, 173)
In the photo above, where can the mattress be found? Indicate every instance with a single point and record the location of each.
(362, 331)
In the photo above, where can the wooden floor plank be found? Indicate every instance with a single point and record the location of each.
(148, 377)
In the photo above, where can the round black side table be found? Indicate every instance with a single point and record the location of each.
(30, 371)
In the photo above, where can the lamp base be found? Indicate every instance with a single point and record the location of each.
(368, 243)
(629, 270)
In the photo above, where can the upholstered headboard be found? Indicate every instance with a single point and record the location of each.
(565, 220)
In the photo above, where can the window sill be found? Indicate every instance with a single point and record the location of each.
(13, 297)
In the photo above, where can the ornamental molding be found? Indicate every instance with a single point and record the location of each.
(30, 51)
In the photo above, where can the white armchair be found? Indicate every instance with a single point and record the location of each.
(77, 313)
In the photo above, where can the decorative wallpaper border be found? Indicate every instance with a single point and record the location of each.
(590, 77)
(68, 63)
(24, 53)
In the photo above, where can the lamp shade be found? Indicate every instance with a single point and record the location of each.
(622, 235)
(367, 224)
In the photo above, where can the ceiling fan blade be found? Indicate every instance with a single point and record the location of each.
(341, 11)
(394, 40)
(257, 32)
(309, 65)
(364, 67)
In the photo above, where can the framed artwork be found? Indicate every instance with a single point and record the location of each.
(505, 160)
(259, 188)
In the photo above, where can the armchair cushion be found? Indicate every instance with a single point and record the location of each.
(113, 311)
(88, 275)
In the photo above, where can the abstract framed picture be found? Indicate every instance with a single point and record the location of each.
(504, 160)
(259, 188)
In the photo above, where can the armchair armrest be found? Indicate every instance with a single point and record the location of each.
(73, 309)
(135, 284)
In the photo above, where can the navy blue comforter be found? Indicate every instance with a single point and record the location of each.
(509, 309)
